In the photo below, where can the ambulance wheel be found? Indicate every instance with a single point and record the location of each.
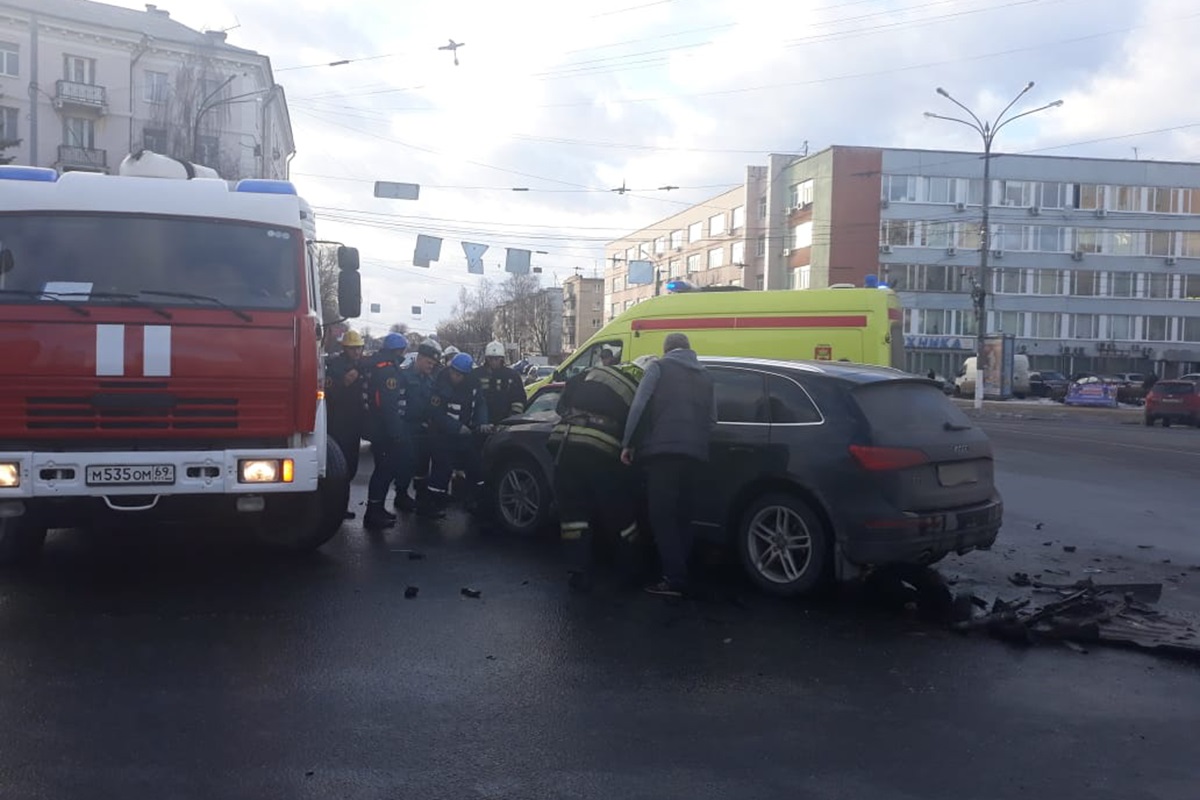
(20, 541)
(304, 523)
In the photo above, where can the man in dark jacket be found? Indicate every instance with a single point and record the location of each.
(344, 386)
(672, 417)
(503, 390)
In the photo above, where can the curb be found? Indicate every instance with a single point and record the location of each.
(998, 409)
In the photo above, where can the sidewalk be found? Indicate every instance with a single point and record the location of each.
(1019, 409)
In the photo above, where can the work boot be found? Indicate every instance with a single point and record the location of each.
(377, 517)
(403, 502)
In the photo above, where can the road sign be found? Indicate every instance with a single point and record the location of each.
(397, 191)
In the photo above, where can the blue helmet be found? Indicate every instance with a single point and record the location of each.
(462, 363)
(394, 341)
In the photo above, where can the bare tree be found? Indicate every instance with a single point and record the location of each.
(471, 324)
(197, 94)
(5, 144)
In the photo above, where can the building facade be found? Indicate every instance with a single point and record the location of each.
(583, 310)
(82, 84)
(532, 325)
(712, 243)
(1094, 264)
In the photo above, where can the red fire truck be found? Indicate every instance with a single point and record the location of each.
(159, 356)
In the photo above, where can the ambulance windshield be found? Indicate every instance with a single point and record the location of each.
(99, 258)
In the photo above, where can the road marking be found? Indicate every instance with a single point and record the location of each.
(156, 351)
(1041, 435)
(110, 350)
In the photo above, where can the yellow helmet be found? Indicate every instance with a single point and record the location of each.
(352, 339)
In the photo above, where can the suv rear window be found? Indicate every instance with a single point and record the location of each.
(897, 409)
(1175, 387)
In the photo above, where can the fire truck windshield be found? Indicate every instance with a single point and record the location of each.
(101, 258)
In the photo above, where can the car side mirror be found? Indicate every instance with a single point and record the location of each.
(349, 294)
(347, 258)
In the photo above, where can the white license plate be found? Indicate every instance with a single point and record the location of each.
(1171, 400)
(957, 474)
(130, 475)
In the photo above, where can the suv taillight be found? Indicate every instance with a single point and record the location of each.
(881, 459)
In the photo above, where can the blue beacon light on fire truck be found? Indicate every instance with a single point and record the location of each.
(262, 186)
(35, 174)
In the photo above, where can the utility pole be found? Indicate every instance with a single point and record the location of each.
(987, 131)
(203, 109)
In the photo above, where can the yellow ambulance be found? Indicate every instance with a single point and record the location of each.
(839, 323)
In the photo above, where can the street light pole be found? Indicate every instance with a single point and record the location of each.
(203, 109)
(987, 132)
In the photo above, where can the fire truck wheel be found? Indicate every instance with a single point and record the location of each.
(19, 541)
(309, 521)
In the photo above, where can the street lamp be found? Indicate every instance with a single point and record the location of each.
(987, 131)
(206, 106)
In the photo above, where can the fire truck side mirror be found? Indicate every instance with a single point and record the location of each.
(349, 283)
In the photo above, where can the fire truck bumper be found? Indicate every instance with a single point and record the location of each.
(109, 475)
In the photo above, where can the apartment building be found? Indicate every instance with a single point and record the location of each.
(83, 83)
(711, 243)
(1094, 263)
(583, 310)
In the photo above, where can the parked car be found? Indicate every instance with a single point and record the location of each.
(816, 469)
(1130, 387)
(1048, 383)
(1174, 401)
(1191, 376)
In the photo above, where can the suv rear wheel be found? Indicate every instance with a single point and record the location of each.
(520, 496)
(784, 546)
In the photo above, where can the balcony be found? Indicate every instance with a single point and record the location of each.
(77, 96)
(82, 158)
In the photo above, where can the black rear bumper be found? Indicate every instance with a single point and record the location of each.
(924, 538)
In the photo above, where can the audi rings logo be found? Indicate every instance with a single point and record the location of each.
(962, 449)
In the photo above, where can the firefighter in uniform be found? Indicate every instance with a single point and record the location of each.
(344, 386)
(459, 416)
(386, 399)
(590, 484)
(418, 410)
(503, 389)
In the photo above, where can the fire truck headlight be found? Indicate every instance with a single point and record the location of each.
(266, 470)
(10, 475)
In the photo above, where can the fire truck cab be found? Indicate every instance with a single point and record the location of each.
(160, 357)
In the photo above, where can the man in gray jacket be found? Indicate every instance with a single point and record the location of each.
(671, 422)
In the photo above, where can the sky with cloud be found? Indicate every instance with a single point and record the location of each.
(569, 100)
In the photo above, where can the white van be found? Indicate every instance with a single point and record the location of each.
(964, 384)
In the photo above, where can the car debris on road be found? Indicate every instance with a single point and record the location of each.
(1116, 613)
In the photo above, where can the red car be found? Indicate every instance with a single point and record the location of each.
(1174, 401)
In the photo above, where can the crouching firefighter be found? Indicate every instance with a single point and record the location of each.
(591, 485)
(458, 418)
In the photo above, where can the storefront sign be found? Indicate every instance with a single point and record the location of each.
(939, 342)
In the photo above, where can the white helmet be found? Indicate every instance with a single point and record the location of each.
(450, 352)
(494, 350)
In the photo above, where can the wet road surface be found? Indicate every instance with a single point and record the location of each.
(183, 664)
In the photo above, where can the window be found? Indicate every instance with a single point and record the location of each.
(695, 232)
(938, 234)
(1162, 200)
(591, 356)
(1158, 286)
(1047, 325)
(79, 70)
(759, 282)
(660, 246)
(801, 277)
(737, 253)
(1089, 196)
(628, 304)
(212, 88)
(1157, 329)
(1121, 243)
(762, 208)
(8, 124)
(1158, 243)
(899, 232)
(1088, 241)
(1191, 287)
(1047, 239)
(716, 225)
(1189, 243)
(739, 218)
(1085, 326)
(154, 140)
(1120, 284)
(1127, 198)
(1010, 322)
(630, 254)
(644, 250)
(155, 87)
(941, 190)
(614, 310)
(1051, 195)
(760, 248)
(1017, 193)
(788, 403)
(800, 194)
(802, 235)
(1120, 327)
(676, 239)
(1009, 281)
(1047, 281)
(1085, 284)
(1191, 329)
(693, 262)
(975, 192)
(716, 257)
(900, 188)
(10, 61)
(967, 235)
(79, 132)
(740, 396)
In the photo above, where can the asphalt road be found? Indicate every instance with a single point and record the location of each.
(183, 664)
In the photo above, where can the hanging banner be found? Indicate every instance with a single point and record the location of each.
(429, 248)
(474, 253)
(517, 261)
(641, 272)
